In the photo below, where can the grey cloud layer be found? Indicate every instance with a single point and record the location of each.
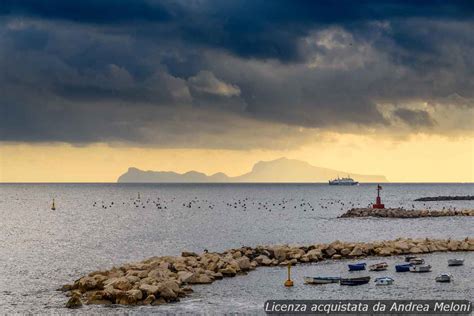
(146, 79)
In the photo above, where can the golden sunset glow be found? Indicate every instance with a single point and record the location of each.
(418, 159)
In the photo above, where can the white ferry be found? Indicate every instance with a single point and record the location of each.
(343, 181)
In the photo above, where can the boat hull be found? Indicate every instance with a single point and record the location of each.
(420, 269)
(382, 266)
(455, 262)
(357, 267)
(321, 280)
(384, 281)
(402, 268)
(355, 281)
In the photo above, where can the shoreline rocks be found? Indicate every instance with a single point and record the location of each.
(403, 213)
(446, 198)
(161, 280)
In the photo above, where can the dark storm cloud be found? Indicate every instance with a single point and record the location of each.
(95, 11)
(415, 118)
(155, 71)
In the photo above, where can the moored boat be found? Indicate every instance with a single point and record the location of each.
(321, 280)
(455, 262)
(384, 281)
(408, 258)
(380, 266)
(355, 281)
(420, 268)
(357, 266)
(404, 267)
(444, 278)
(417, 261)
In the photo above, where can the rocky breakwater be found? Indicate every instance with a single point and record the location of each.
(161, 280)
(403, 213)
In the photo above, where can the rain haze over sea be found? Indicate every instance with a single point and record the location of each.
(97, 226)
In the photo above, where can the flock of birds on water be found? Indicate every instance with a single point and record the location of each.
(241, 204)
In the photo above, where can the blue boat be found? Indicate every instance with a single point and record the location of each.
(404, 267)
(357, 266)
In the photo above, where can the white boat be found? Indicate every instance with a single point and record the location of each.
(321, 280)
(455, 262)
(343, 181)
(384, 281)
(444, 278)
(381, 266)
(420, 268)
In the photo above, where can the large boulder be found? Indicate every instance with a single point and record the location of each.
(356, 252)
(415, 250)
(148, 289)
(185, 276)
(330, 251)
(314, 254)
(86, 284)
(453, 245)
(345, 252)
(74, 302)
(200, 279)
(169, 290)
(189, 254)
(263, 260)
(386, 251)
(130, 297)
(149, 299)
(280, 253)
(244, 263)
(402, 246)
(228, 272)
(121, 283)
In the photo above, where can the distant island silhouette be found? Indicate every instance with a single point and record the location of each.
(279, 170)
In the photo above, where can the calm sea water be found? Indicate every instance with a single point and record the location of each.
(41, 249)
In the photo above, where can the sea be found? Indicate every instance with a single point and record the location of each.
(98, 226)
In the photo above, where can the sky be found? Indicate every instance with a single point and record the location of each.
(89, 88)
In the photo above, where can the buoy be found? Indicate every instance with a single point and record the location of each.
(53, 207)
(289, 282)
(378, 200)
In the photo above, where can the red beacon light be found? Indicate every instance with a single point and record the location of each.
(378, 201)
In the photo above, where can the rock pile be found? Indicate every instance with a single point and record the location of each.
(161, 280)
(446, 198)
(403, 213)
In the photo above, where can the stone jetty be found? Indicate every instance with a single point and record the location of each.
(446, 198)
(403, 213)
(161, 280)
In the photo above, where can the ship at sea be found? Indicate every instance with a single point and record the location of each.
(343, 181)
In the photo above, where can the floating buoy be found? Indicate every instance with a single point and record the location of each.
(53, 207)
(289, 282)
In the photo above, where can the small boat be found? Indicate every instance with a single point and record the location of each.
(53, 206)
(355, 281)
(417, 261)
(321, 280)
(455, 262)
(444, 278)
(408, 258)
(357, 266)
(420, 268)
(404, 267)
(384, 281)
(381, 266)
